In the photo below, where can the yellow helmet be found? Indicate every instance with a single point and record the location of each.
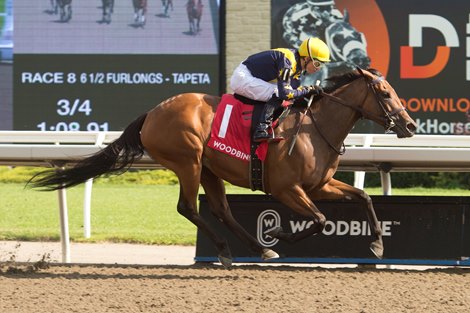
(315, 48)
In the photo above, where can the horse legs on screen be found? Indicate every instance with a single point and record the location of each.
(215, 193)
(107, 10)
(336, 189)
(140, 9)
(297, 200)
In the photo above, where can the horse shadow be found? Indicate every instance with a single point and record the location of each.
(102, 21)
(136, 25)
(191, 33)
(162, 15)
(50, 11)
(61, 21)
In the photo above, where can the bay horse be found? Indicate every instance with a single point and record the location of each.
(194, 11)
(175, 134)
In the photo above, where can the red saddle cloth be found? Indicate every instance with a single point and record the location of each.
(230, 132)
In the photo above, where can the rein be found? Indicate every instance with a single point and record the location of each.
(339, 151)
(387, 119)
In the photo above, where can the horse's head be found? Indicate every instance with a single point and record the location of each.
(382, 105)
(373, 98)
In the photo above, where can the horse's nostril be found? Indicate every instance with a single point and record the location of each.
(411, 127)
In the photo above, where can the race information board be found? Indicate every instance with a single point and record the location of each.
(423, 49)
(96, 65)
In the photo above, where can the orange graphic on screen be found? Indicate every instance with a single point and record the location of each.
(409, 70)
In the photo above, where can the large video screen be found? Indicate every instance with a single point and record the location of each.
(94, 65)
(422, 47)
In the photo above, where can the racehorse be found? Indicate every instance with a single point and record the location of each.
(140, 9)
(194, 11)
(108, 8)
(175, 134)
(65, 8)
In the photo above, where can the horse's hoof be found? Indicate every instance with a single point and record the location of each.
(225, 261)
(274, 232)
(225, 256)
(269, 254)
(377, 248)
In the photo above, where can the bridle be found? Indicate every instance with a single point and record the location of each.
(387, 119)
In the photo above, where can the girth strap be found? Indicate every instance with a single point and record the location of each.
(256, 169)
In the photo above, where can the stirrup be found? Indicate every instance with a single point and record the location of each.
(268, 137)
(276, 139)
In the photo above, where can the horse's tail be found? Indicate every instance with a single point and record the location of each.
(117, 157)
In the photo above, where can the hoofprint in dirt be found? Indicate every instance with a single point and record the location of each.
(247, 288)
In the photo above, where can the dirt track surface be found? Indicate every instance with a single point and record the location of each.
(196, 288)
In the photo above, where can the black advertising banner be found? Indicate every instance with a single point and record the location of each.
(96, 65)
(416, 230)
(422, 47)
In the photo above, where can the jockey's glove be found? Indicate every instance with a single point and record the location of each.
(314, 90)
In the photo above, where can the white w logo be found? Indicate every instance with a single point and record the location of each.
(267, 220)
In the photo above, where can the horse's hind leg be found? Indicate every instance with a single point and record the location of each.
(215, 193)
(189, 177)
(336, 189)
(297, 200)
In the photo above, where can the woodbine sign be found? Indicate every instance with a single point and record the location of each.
(417, 230)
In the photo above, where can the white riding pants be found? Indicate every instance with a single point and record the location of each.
(243, 83)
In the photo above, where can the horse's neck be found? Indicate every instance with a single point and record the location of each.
(335, 119)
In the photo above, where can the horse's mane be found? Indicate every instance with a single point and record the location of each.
(337, 81)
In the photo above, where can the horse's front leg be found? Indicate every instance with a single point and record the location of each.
(297, 200)
(191, 31)
(215, 193)
(336, 189)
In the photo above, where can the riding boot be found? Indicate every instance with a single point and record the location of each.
(266, 118)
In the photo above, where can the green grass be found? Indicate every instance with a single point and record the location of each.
(2, 10)
(119, 213)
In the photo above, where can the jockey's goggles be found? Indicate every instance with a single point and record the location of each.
(316, 63)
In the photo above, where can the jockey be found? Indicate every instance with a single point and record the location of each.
(273, 76)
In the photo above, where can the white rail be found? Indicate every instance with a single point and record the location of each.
(364, 152)
(370, 152)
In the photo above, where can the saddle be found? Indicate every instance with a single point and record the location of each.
(232, 130)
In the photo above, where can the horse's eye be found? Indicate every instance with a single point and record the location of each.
(386, 95)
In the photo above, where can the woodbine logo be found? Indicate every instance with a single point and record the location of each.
(269, 219)
(230, 150)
